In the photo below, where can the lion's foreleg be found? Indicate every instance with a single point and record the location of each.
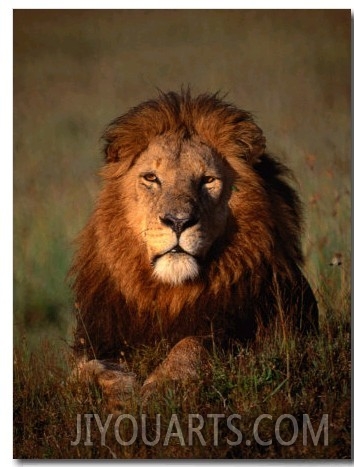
(187, 361)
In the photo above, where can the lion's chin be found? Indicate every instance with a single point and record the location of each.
(175, 269)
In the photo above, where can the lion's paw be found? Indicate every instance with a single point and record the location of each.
(117, 384)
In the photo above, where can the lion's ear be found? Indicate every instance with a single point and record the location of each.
(110, 155)
(251, 139)
(110, 151)
(110, 138)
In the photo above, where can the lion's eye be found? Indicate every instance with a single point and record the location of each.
(150, 177)
(208, 179)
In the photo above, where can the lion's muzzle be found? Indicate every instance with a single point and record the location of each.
(179, 223)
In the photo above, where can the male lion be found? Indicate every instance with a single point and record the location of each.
(195, 237)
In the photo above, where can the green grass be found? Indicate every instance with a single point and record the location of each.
(76, 70)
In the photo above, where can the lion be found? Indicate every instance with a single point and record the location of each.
(195, 238)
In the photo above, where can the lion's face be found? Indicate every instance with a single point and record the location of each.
(180, 205)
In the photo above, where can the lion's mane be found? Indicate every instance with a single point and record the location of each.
(251, 272)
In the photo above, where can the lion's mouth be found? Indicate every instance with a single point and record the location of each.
(176, 250)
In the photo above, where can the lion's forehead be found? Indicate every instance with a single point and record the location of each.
(182, 159)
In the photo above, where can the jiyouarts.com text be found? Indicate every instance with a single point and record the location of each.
(206, 429)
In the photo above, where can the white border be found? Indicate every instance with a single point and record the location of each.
(6, 119)
(6, 233)
(182, 4)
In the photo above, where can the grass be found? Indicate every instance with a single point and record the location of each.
(274, 376)
(76, 70)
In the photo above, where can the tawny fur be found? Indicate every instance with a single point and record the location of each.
(249, 274)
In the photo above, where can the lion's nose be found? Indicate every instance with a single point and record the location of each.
(179, 224)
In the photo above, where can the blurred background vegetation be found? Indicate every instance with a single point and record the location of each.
(75, 70)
